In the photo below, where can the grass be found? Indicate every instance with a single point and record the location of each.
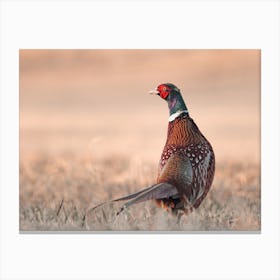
(58, 193)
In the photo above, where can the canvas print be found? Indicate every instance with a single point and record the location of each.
(139, 140)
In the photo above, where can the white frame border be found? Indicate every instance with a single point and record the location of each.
(120, 24)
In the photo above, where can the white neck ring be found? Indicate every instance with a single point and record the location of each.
(176, 115)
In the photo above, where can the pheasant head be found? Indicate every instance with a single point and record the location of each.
(173, 97)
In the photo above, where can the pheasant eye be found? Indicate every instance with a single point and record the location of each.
(164, 88)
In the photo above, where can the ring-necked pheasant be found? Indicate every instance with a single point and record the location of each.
(187, 164)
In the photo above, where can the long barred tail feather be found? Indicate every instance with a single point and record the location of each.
(158, 191)
(130, 196)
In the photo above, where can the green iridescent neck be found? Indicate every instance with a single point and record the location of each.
(176, 103)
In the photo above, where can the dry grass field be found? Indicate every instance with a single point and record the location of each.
(89, 132)
(58, 194)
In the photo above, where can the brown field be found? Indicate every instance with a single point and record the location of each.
(89, 132)
(58, 194)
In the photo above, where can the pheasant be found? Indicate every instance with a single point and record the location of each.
(187, 164)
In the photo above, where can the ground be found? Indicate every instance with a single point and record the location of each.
(58, 193)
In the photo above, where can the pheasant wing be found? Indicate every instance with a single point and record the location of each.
(178, 171)
(191, 175)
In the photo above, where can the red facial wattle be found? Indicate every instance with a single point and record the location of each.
(164, 91)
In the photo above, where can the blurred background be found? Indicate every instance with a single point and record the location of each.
(96, 101)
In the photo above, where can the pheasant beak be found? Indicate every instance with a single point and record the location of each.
(154, 91)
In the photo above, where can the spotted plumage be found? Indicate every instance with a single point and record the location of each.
(187, 164)
(196, 155)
